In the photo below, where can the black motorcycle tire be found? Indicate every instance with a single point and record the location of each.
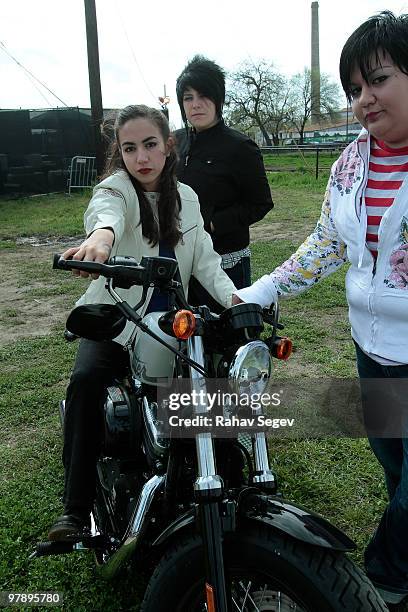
(317, 579)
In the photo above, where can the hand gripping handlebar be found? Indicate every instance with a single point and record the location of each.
(125, 272)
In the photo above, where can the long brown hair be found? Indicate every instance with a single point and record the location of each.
(169, 204)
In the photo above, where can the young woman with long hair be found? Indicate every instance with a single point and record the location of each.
(138, 209)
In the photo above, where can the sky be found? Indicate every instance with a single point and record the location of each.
(143, 46)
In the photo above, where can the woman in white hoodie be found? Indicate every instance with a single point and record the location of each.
(364, 221)
(139, 209)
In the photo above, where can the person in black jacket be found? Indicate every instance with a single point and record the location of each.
(225, 169)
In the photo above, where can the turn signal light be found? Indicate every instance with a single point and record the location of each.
(209, 591)
(282, 348)
(184, 324)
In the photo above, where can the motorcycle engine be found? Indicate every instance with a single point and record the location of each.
(131, 425)
(123, 423)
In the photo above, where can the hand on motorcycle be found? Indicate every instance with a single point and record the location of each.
(97, 247)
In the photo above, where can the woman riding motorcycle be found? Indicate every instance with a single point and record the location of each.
(138, 209)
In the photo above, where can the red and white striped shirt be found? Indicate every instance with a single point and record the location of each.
(386, 172)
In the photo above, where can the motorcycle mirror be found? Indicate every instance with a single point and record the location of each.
(96, 321)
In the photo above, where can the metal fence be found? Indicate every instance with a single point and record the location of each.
(333, 148)
(82, 172)
(338, 146)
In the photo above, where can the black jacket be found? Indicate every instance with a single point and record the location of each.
(226, 170)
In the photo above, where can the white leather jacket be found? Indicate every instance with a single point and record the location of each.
(115, 204)
(377, 295)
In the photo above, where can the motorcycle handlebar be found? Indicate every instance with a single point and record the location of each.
(119, 271)
(71, 264)
(125, 271)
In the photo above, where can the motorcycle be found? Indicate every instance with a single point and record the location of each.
(203, 511)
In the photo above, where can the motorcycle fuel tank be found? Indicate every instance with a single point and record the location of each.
(153, 363)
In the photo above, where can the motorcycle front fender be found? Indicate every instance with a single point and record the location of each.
(278, 514)
(294, 520)
(182, 523)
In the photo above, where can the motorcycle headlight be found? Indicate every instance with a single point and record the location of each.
(250, 369)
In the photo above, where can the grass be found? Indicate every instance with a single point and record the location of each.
(41, 216)
(31, 479)
(339, 478)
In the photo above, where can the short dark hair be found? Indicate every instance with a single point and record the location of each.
(381, 33)
(206, 77)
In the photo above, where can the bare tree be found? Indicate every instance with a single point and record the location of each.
(258, 97)
(277, 112)
(301, 100)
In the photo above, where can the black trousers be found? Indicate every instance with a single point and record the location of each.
(240, 274)
(97, 363)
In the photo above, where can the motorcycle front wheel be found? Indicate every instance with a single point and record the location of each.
(267, 572)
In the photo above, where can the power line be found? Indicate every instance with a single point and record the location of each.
(133, 54)
(42, 94)
(3, 47)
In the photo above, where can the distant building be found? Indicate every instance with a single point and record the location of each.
(344, 129)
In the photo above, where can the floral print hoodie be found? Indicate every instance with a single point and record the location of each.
(377, 292)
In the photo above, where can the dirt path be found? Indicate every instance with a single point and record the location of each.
(30, 305)
(34, 299)
(266, 232)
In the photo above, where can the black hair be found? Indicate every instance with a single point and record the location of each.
(169, 204)
(206, 77)
(380, 34)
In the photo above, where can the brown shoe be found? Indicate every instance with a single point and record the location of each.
(69, 528)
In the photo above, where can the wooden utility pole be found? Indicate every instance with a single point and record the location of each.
(94, 81)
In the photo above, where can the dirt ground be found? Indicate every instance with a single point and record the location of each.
(21, 314)
(24, 312)
(264, 232)
(32, 306)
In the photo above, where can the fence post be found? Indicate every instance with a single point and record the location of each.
(317, 163)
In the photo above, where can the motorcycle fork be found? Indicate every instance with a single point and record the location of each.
(208, 490)
(211, 529)
(263, 477)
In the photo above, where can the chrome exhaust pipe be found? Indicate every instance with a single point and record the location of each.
(132, 536)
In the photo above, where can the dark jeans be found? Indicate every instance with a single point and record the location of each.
(240, 276)
(97, 363)
(386, 556)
